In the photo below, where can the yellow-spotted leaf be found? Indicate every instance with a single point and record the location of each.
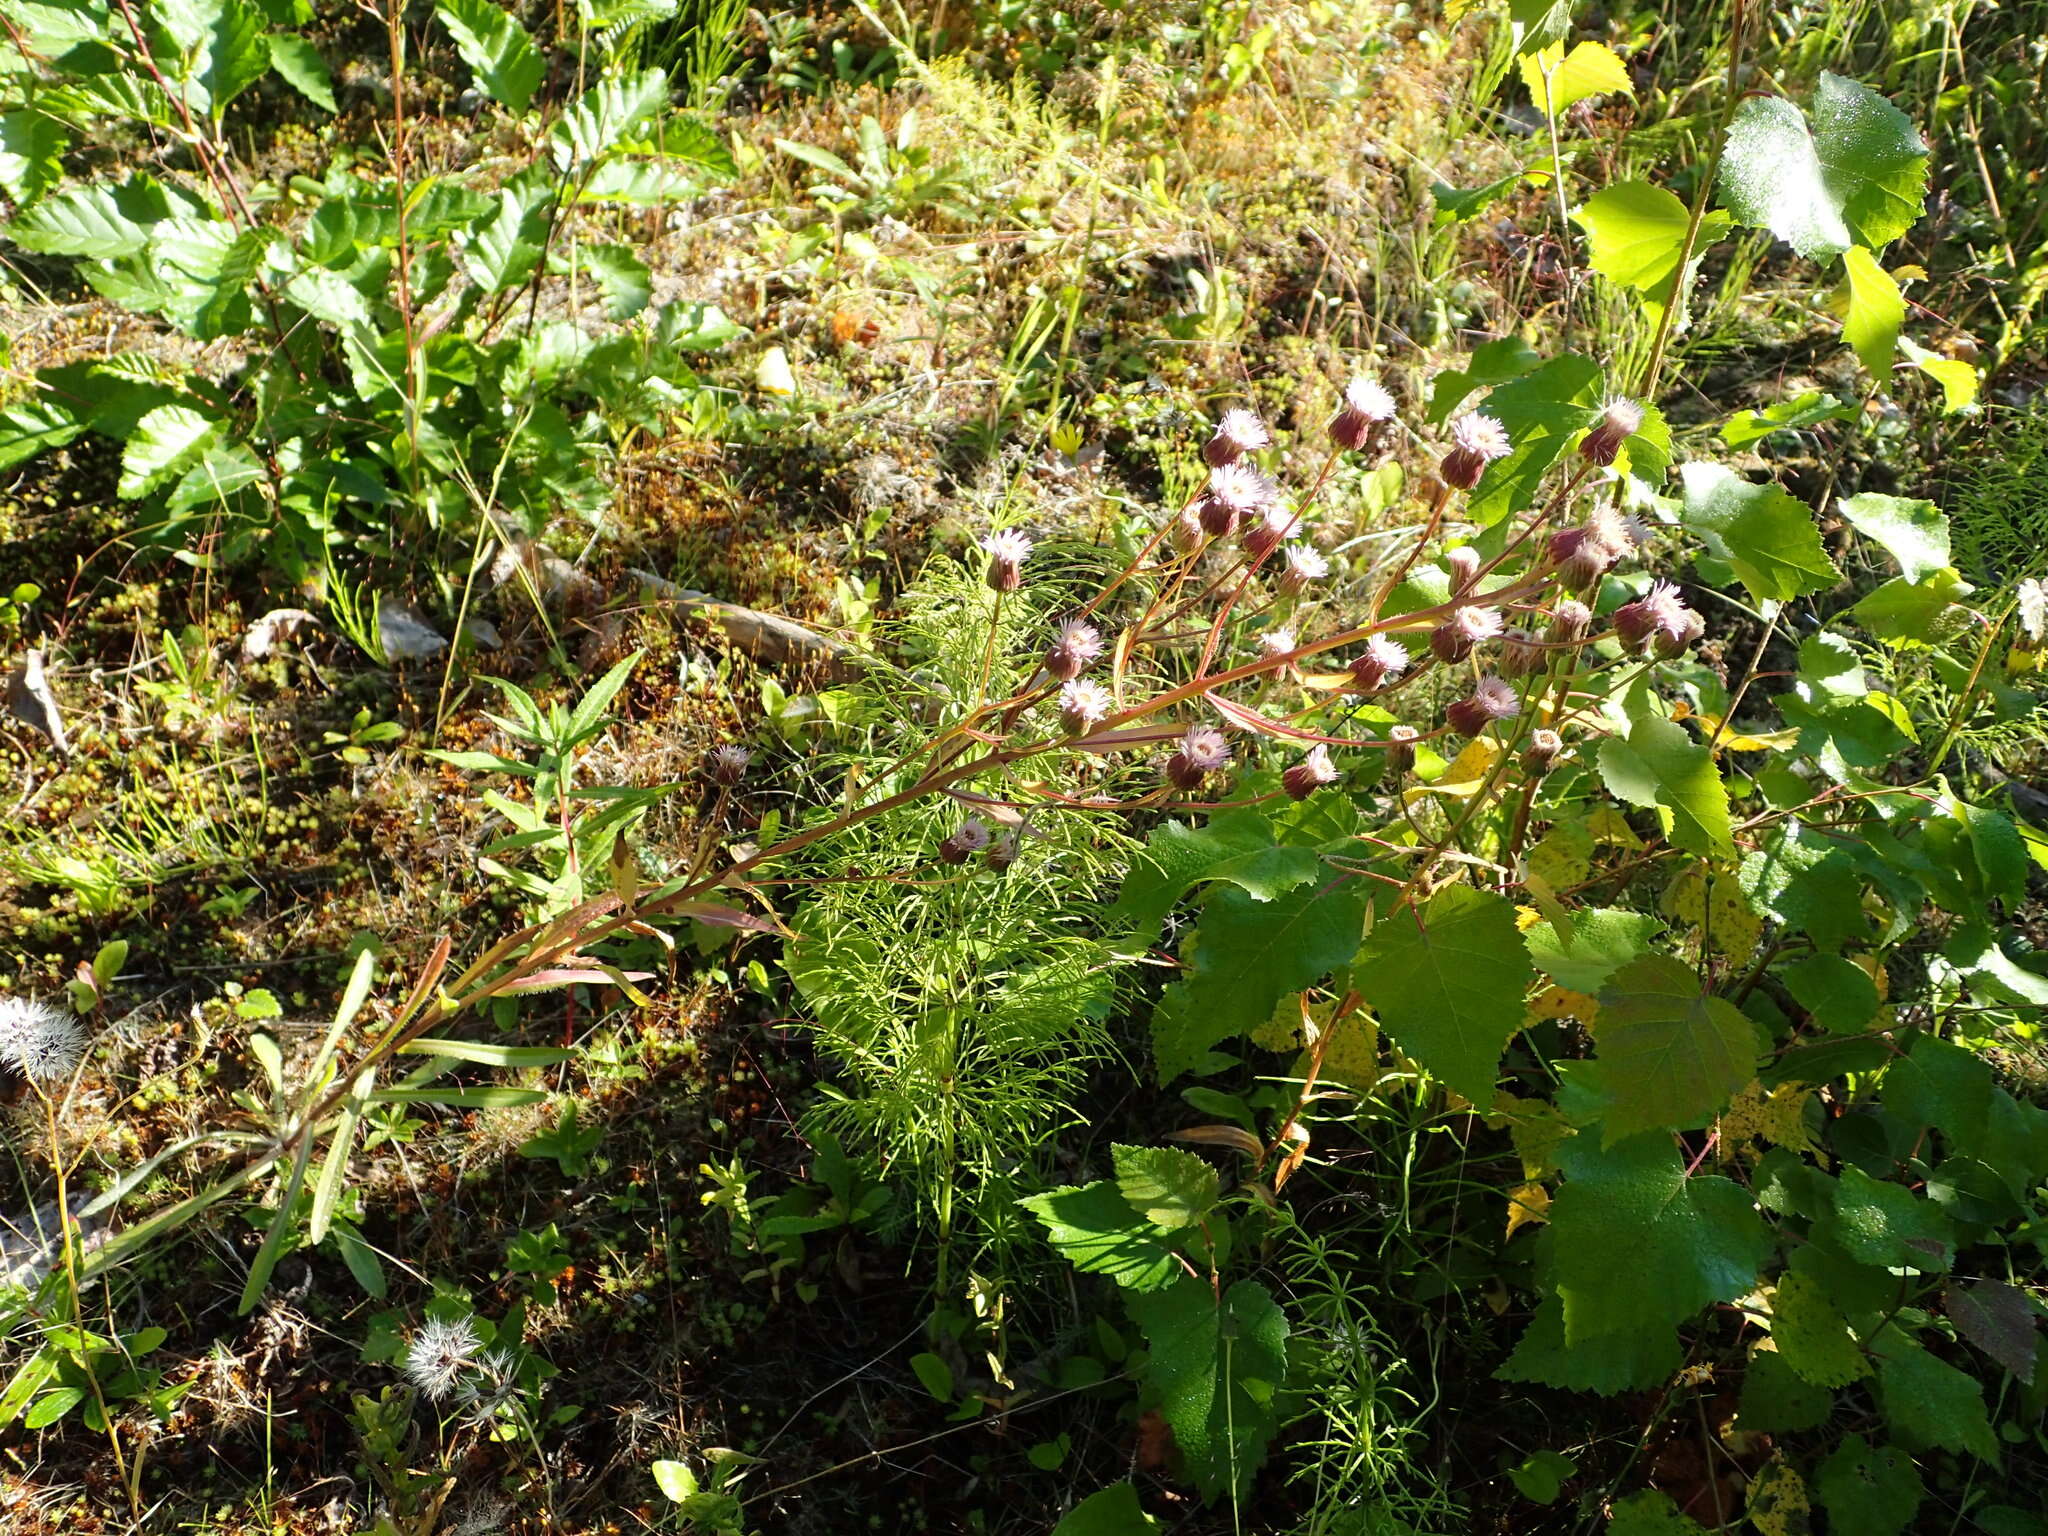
(1527, 1205)
(1777, 1502)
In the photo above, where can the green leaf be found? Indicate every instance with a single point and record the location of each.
(1603, 940)
(1916, 613)
(1939, 1084)
(1111, 1511)
(1776, 1402)
(1976, 953)
(606, 117)
(82, 221)
(1768, 534)
(1659, 764)
(1455, 205)
(1690, 1241)
(1808, 882)
(1913, 532)
(1670, 1053)
(1998, 1319)
(1168, 1187)
(502, 251)
(164, 442)
(496, 48)
(1651, 1513)
(1995, 846)
(1873, 1492)
(32, 426)
(1213, 1374)
(1839, 993)
(1447, 984)
(1876, 309)
(1247, 955)
(1557, 81)
(1630, 1361)
(302, 68)
(1929, 1402)
(1496, 362)
(52, 1406)
(237, 53)
(1542, 411)
(1095, 1230)
(627, 284)
(1806, 410)
(1858, 176)
(1541, 1476)
(1886, 1225)
(1635, 232)
(32, 148)
(934, 1375)
(1234, 846)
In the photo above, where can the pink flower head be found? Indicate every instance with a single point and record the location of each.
(1235, 491)
(1570, 622)
(1454, 639)
(1202, 752)
(1463, 564)
(1238, 432)
(1658, 623)
(1490, 700)
(1541, 752)
(1084, 705)
(1367, 407)
(1304, 565)
(729, 765)
(1619, 420)
(968, 839)
(1304, 778)
(1273, 529)
(1076, 646)
(1384, 659)
(1477, 439)
(1520, 654)
(1007, 551)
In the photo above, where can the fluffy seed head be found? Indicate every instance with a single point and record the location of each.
(1084, 705)
(1401, 748)
(1202, 752)
(1463, 564)
(1619, 420)
(1002, 853)
(728, 765)
(1238, 432)
(1570, 622)
(1520, 654)
(45, 1044)
(1383, 660)
(439, 1354)
(1366, 408)
(1477, 439)
(968, 839)
(2033, 610)
(1007, 551)
(1076, 646)
(1658, 623)
(1276, 642)
(1490, 700)
(1453, 639)
(1304, 565)
(1273, 529)
(1304, 778)
(1540, 754)
(1187, 532)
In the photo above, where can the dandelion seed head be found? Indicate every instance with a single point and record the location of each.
(440, 1352)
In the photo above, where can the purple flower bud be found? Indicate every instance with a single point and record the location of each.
(1521, 654)
(1077, 646)
(1658, 623)
(1541, 752)
(1202, 752)
(1273, 529)
(1401, 749)
(729, 765)
(1619, 421)
(1084, 705)
(1463, 564)
(1476, 441)
(1304, 778)
(1002, 853)
(1007, 551)
(1384, 659)
(1490, 700)
(969, 839)
(1366, 408)
(1453, 639)
(1188, 532)
(1238, 433)
(1570, 622)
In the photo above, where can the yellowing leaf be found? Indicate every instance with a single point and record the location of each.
(1812, 1334)
(1610, 828)
(1538, 1128)
(1563, 856)
(1352, 1054)
(1775, 1116)
(1562, 1003)
(1876, 310)
(1468, 772)
(1591, 69)
(1527, 1204)
(1777, 1502)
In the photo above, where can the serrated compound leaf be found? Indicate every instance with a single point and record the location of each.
(1095, 1230)
(1776, 1401)
(29, 427)
(1234, 847)
(1875, 312)
(1168, 1187)
(1765, 532)
(1111, 1511)
(1246, 956)
(1916, 613)
(1871, 1490)
(1812, 1336)
(80, 221)
(1447, 983)
(1998, 1319)
(1929, 1402)
(1659, 764)
(1603, 940)
(1631, 1361)
(609, 114)
(496, 48)
(1670, 1053)
(1690, 1241)
(1912, 531)
(1856, 176)
(1214, 1374)
(1940, 1084)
